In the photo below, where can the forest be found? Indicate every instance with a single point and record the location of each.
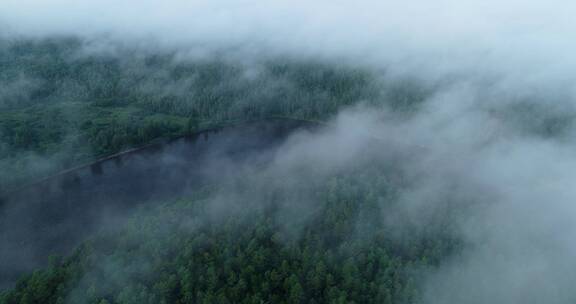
(175, 252)
(332, 214)
(63, 106)
(287, 151)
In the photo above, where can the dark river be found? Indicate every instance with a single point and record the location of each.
(55, 215)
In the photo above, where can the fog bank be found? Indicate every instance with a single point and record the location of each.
(494, 136)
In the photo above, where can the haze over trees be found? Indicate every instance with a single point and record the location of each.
(65, 104)
(178, 252)
(429, 159)
(79, 106)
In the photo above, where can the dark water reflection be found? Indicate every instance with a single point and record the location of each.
(54, 216)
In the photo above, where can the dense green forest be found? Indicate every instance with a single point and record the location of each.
(63, 102)
(265, 246)
(287, 152)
